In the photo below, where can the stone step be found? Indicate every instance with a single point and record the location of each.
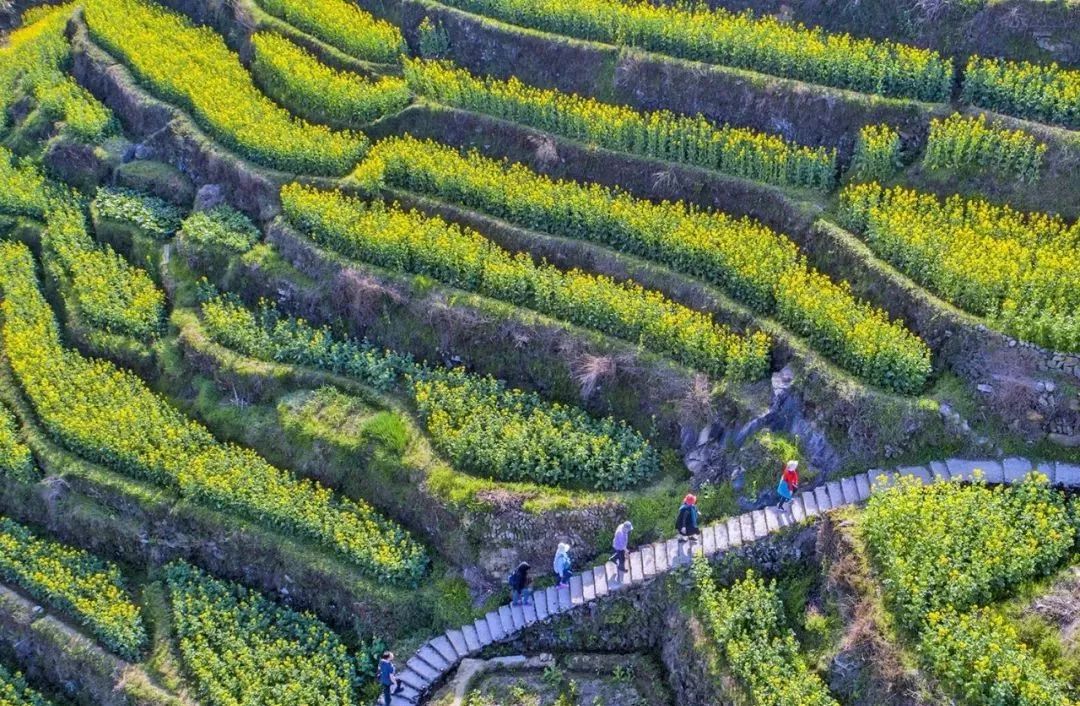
(530, 611)
(836, 495)
(772, 518)
(648, 561)
(660, 555)
(430, 655)
(600, 581)
(428, 675)
(721, 534)
(506, 617)
(1066, 474)
(553, 600)
(517, 614)
(457, 639)
(809, 503)
(577, 590)
(565, 603)
(862, 486)
(1015, 469)
(675, 553)
(483, 632)
(708, 540)
(540, 604)
(734, 531)
(761, 528)
(940, 471)
(495, 626)
(415, 681)
(472, 640)
(446, 650)
(798, 510)
(634, 560)
(588, 588)
(822, 497)
(851, 492)
(746, 522)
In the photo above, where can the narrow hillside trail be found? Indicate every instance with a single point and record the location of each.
(438, 657)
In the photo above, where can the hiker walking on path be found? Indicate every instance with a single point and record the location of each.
(789, 483)
(620, 544)
(687, 522)
(388, 677)
(520, 593)
(562, 565)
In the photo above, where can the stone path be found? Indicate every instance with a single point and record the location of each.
(439, 656)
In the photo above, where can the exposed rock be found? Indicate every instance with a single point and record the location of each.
(209, 196)
(75, 163)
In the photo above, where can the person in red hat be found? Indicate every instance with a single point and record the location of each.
(789, 483)
(687, 522)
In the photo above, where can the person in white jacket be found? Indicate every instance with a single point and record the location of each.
(620, 544)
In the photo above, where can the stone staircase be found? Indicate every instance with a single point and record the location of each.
(441, 655)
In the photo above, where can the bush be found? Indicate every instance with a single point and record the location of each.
(746, 622)
(15, 458)
(193, 67)
(950, 545)
(14, 691)
(390, 237)
(764, 44)
(483, 427)
(1048, 93)
(958, 142)
(109, 416)
(221, 227)
(979, 655)
(753, 263)
(342, 24)
(74, 582)
(661, 135)
(293, 77)
(877, 153)
(149, 214)
(1020, 270)
(241, 648)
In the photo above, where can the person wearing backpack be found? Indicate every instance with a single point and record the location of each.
(388, 677)
(561, 565)
(789, 483)
(619, 544)
(520, 592)
(686, 524)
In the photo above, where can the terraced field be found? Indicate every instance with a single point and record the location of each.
(317, 319)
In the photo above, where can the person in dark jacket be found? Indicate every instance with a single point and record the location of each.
(388, 677)
(687, 522)
(520, 591)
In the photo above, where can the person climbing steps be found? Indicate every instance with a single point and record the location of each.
(620, 544)
(520, 585)
(686, 524)
(561, 565)
(789, 483)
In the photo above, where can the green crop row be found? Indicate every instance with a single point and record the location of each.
(484, 428)
(295, 78)
(388, 236)
(1045, 92)
(951, 545)
(719, 36)
(32, 63)
(15, 459)
(193, 67)
(957, 142)
(343, 25)
(111, 417)
(753, 263)
(661, 135)
(154, 217)
(76, 583)
(979, 655)
(14, 691)
(877, 153)
(241, 648)
(109, 292)
(746, 622)
(1020, 270)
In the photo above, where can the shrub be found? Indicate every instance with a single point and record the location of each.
(719, 36)
(294, 77)
(958, 142)
(958, 546)
(390, 237)
(149, 214)
(877, 153)
(14, 691)
(76, 583)
(1048, 93)
(661, 135)
(746, 621)
(483, 427)
(342, 24)
(241, 648)
(1020, 270)
(222, 227)
(754, 264)
(109, 416)
(192, 67)
(15, 459)
(979, 655)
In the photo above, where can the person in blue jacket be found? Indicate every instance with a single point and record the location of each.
(388, 677)
(561, 565)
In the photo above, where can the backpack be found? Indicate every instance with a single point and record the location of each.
(511, 580)
(683, 520)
